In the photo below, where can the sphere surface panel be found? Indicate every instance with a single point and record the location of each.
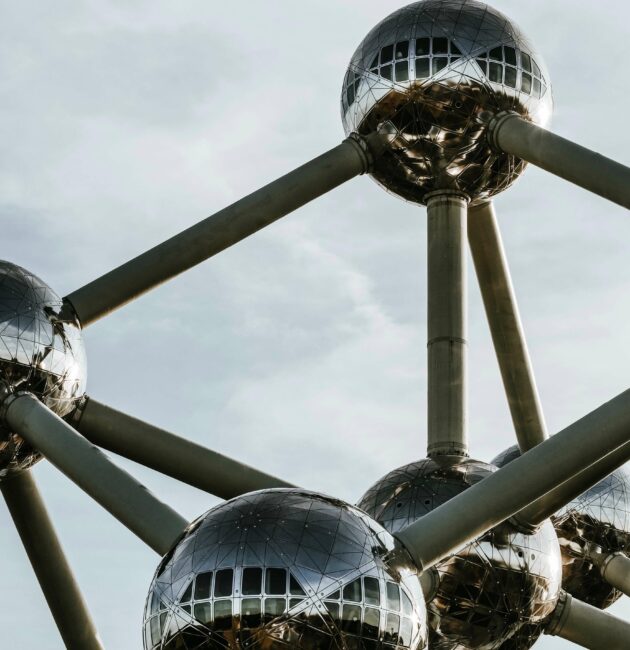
(437, 71)
(500, 588)
(39, 353)
(285, 568)
(597, 519)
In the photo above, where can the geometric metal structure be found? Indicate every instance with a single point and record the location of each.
(447, 120)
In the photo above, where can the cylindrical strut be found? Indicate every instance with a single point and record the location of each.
(49, 562)
(118, 492)
(512, 134)
(447, 324)
(615, 569)
(504, 320)
(588, 626)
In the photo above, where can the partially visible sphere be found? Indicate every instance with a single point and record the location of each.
(39, 353)
(437, 71)
(280, 569)
(499, 588)
(600, 519)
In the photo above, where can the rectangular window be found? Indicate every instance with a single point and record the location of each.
(252, 581)
(372, 591)
(223, 582)
(371, 623)
(386, 72)
(392, 628)
(526, 62)
(387, 54)
(293, 602)
(276, 581)
(496, 54)
(510, 55)
(202, 586)
(423, 68)
(393, 596)
(423, 46)
(156, 633)
(439, 63)
(440, 45)
(496, 73)
(274, 607)
(536, 87)
(510, 76)
(351, 619)
(222, 614)
(333, 609)
(203, 613)
(402, 50)
(251, 615)
(526, 83)
(537, 72)
(402, 71)
(406, 630)
(352, 591)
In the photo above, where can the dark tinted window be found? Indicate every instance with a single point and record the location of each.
(223, 582)
(526, 83)
(496, 73)
(187, 594)
(402, 71)
(387, 54)
(333, 608)
(392, 628)
(423, 46)
(294, 587)
(423, 68)
(372, 591)
(386, 72)
(496, 54)
(483, 64)
(454, 49)
(275, 606)
(510, 55)
(252, 581)
(203, 612)
(526, 62)
(351, 619)
(371, 623)
(402, 50)
(250, 612)
(335, 596)
(276, 581)
(202, 585)
(375, 62)
(510, 76)
(439, 62)
(222, 614)
(440, 46)
(352, 591)
(393, 596)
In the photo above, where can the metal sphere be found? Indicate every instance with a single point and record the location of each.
(437, 71)
(281, 569)
(599, 519)
(501, 587)
(39, 353)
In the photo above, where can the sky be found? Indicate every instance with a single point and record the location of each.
(302, 349)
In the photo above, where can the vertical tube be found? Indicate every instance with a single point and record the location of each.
(588, 626)
(505, 325)
(49, 562)
(447, 325)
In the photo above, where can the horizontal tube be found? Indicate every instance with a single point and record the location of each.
(49, 562)
(222, 230)
(588, 626)
(504, 320)
(502, 494)
(169, 454)
(512, 134)
(118, 492)
(615, 570)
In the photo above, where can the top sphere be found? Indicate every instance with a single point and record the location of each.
(39, 353)
(437, 71)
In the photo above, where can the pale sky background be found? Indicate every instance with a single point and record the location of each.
(301, 350)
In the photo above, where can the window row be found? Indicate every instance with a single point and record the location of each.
(508, 76)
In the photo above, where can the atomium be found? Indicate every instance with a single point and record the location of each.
(437, 71)
(40, 352)
(598, 520)
(500, 587)
(285, 568)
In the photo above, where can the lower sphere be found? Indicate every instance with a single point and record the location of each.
(498, 589)
(598, 519)
(285, 568)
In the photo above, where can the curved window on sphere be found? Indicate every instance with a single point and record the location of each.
(276, 581)
(372, 591)
(402, 50)
(526, 83)
(402, 71)
(526, 62)
(352, 591)
(423, 68)
(496, 73)
(496, 53)
(203, 583)
(423, 46)
(252, 581)
(509, 55)
(387, 54)
(440, 45)
(510, 76)
(386, 72)
(393, 596)
(223, 583)
(371, 622)
(439, 63)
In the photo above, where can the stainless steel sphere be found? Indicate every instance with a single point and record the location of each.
(599, 519)
(437, 71)
(499, 588)
(281, 569)
(38, 352)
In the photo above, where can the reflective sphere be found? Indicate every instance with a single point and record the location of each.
(599, 518)
(280, 569)
(499, 588)
(437, 71)
(38, 353)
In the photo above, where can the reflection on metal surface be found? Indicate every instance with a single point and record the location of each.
(284, 568)
(499, 588)
(38, 353)
(437, 71)
(599, 519)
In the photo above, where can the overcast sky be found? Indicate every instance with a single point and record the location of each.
(302, 350)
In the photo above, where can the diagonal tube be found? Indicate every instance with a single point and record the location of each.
(536, 512)
(118, 492)
(49, 562)
(504, 320)
(169, 454)
(615, 569)
(498, 497)
(512, 134)
(588, 626)
(223, 229)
